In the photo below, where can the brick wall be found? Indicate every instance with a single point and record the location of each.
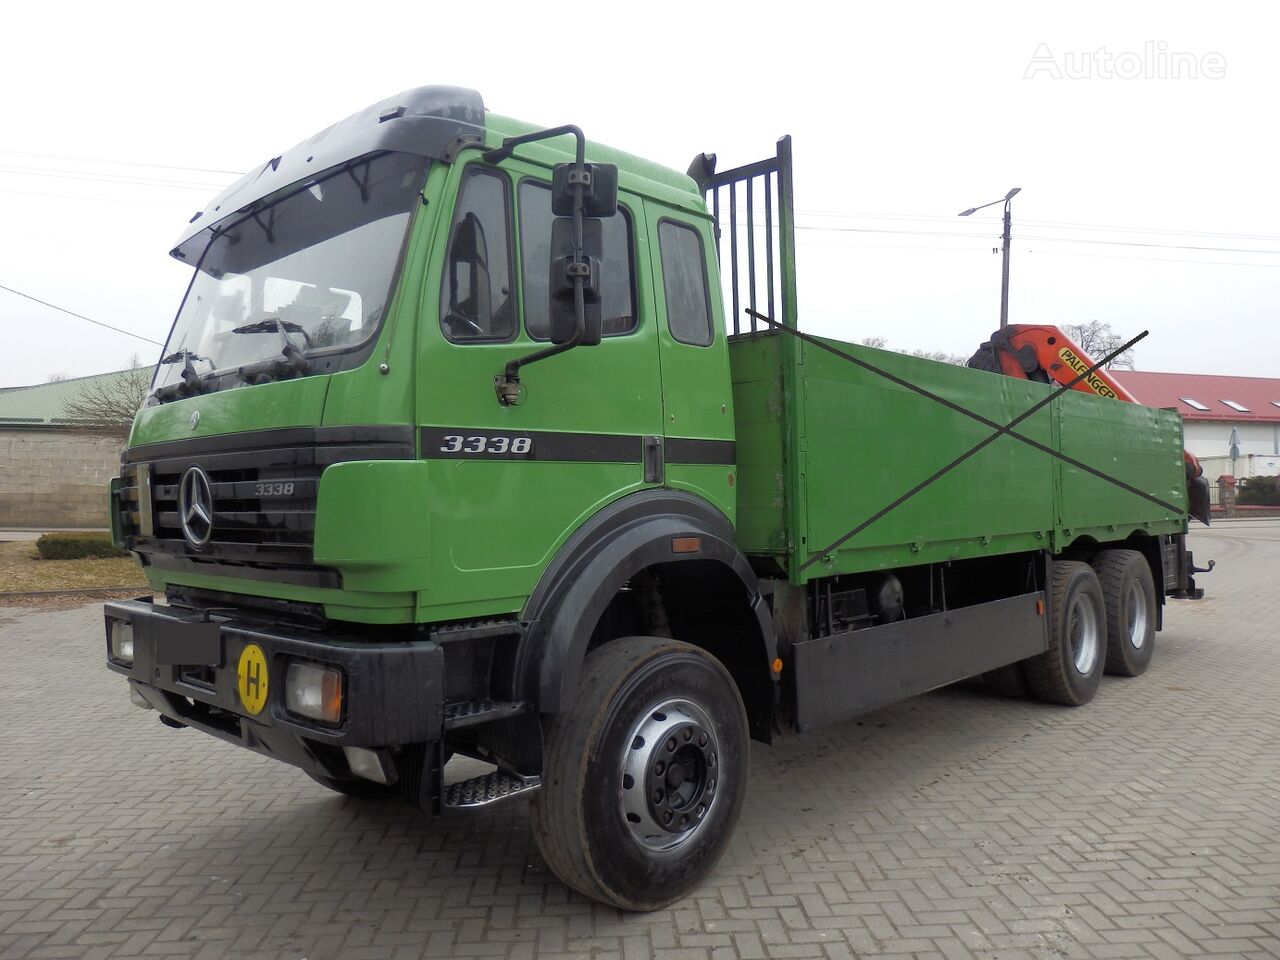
(55, 478)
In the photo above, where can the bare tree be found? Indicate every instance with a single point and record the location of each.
(1096, 339)
(107, 405)
(880, 343)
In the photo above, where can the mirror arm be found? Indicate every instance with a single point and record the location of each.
(507, 386)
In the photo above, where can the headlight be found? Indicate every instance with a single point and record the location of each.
(315, 691)
(122, 640)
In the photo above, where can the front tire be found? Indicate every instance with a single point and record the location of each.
(1071, 669)
(644, 776)
(1130, 596)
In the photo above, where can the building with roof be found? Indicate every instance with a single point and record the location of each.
(1211, 408)
(54, 467)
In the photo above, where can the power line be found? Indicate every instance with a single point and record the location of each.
(1067, 224)
(1117, 243)
(72, 196)
(119, 163)
(81, 316)
(109, 178)
(810, 244)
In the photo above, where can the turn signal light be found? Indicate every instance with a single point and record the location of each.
(313, 690)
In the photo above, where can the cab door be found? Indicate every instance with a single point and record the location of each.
(508, 484)
(697, 394)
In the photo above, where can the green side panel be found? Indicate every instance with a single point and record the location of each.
(372, 523)
(1141, 445)
(758, 410)
(863, 443)
(867, 442)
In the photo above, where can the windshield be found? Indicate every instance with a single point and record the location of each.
(306, 277)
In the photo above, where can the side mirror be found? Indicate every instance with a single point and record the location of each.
(599, 190)
(562, 315)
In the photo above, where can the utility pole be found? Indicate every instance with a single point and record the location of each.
(1008, 236)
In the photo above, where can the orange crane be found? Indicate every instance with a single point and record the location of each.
(1045, 353)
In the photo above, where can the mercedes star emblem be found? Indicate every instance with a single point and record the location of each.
(195, 419)
(195, 507)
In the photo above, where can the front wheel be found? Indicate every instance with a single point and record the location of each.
(644, 776)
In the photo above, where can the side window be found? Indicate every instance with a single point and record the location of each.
(618, 284)
(475, 298)
(684, 275)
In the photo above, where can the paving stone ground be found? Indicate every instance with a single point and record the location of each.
(954, 825)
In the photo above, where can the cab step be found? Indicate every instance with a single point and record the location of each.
(486, 789)
(469, 713)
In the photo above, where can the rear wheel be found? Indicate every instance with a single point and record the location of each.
(644, 776)
(1129, 594)
(1071, 669)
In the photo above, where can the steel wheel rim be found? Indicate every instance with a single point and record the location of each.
(1136, 608)
(1082, 630)
(670, 774)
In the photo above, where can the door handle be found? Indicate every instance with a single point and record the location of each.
(653, 460)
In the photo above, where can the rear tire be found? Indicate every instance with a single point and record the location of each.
(1129, 594)
(645, 774)
(1071, 669)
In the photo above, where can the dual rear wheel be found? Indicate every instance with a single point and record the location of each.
(1104, 615)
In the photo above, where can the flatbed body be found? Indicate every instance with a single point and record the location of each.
(825, 444)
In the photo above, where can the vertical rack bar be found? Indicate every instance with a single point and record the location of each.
(768, 234)
(733, 250)
(786, 233)
(751, 252)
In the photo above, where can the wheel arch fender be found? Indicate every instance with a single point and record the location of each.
(621, 540)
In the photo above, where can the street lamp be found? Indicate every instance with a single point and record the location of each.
(1004, 276)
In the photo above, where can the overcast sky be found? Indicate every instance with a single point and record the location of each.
(911, 112)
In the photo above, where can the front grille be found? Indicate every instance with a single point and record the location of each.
(264, 487)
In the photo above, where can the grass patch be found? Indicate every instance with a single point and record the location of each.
(22, 570)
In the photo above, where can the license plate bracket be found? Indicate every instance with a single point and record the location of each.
(187, 643)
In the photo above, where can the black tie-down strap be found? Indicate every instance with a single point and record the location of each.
(999, 431)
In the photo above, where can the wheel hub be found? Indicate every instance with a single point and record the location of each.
(1083, 632)
(1137, 615)
(669, 773)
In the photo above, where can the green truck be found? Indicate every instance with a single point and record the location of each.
(473, 439)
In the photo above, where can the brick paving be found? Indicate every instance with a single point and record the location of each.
(955, 825)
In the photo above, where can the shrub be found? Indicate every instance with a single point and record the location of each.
(75, 546)
(1262, 491)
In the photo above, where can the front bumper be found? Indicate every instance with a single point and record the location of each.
(393, 692)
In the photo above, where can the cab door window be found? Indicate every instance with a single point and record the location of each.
(617, 285)
(476, 302)
(684, 277)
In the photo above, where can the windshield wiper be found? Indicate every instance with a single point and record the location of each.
(292, 364)
(191, 383)
(285, 327)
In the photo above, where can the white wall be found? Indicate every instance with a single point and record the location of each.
(1212, 438)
